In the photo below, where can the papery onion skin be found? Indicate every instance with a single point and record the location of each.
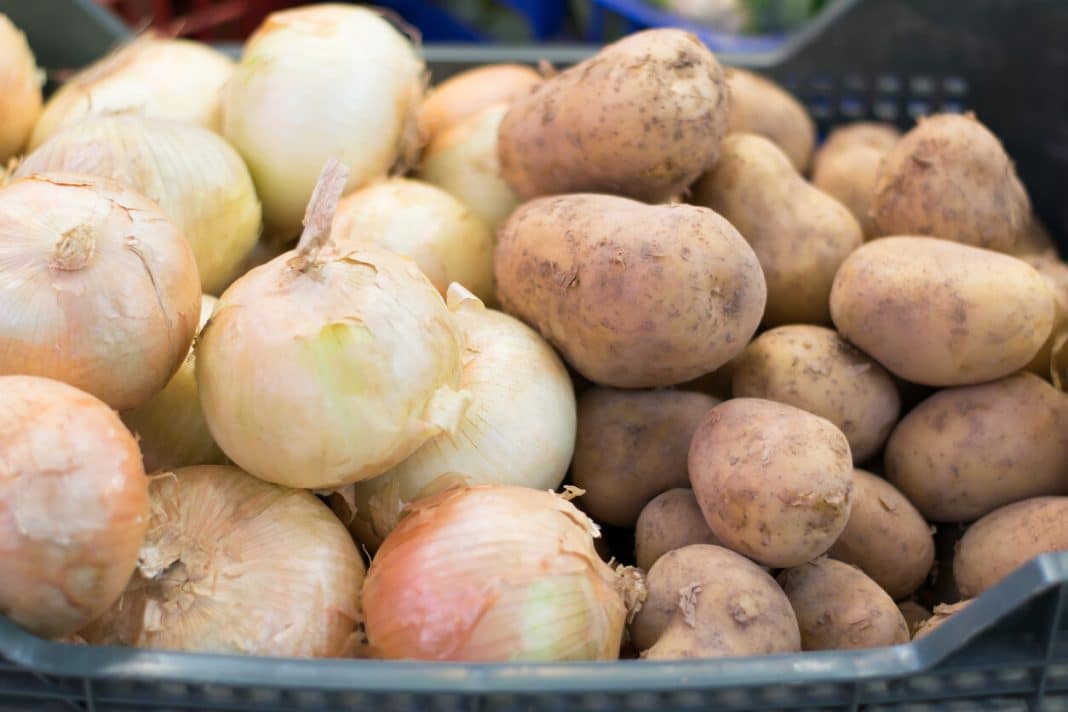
(151, 76)
(98, 288)
(193, 174)
(20, 90)
(232, 564)
(493, 573)
(469, 92)
(328, 80)
(73, 505)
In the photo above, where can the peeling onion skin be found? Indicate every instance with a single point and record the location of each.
(20, 90)
(73, 505)
(98, 288)
(491, 574)
(232, 564)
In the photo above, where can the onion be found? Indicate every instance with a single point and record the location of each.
(193, 174)
(20, 90)
(469, 92)
(235, 565)
(496, 573)
(170, 427)
(73, 505)
(317, 82)
(518, 430)
(463, 161)
(324, 366)
(151, 76)
(98, 288)
(446, 240)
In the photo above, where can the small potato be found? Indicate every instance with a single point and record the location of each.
(642, 118)
(914, 614)
(950, 178)
(760, 106)
(633, 295)
(773, 481)
(942, 613)
(939, 313)
(839, 608)
(847, 165)
(966, 451)
(1008, 538)
(467, 93)
(705, 601)
(815, 369)
(631, 446)
(670, 521)
(799, 233)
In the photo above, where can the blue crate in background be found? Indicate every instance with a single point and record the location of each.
(543, 19)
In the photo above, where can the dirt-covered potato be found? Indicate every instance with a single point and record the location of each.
(942, 613)
(774, 482)
(631, 446)
(815, 369)
(839, 607)
(467, 93)
(705, 601)
(633, 295)
(799, 233)
(760, 106)
(1008, 538)
(642, 118)
(966, 451)
(950, 178)
(886, 537)
(670, 521)
(914, 614)
(939, 313)
(847, 166)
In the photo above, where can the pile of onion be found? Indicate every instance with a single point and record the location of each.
(98, 288)
(73, 505)
(469, 92)
(20, 90)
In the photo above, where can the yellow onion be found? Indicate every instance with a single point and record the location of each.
(150, 76)
(232, 564)
(495, 573)
(194, 175)
(469, 92)
(448, 242)
(323, 366)
(98, 288)
(328, 80)
(518, 430)
(73, 505)
(170, 427)
(20, 90)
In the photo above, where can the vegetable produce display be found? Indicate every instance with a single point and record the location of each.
(305, 356)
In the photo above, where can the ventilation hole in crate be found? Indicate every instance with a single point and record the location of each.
(306, 700)
(888, 84)
(952, 107)
(263, 695)
(686, 701)
(922, 86)
(954, 86)
(821, 84)
(855, 83)
(885, 110)
(820, 107)
(1013, 676)
(917, 108)
(852, 107)
(640, 701)
(1057, 675)
(968, 680)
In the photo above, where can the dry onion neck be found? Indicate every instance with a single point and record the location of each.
(75, 249)
(319, 217)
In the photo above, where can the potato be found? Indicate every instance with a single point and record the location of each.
(950, 178)
(942, 613)
(839, 607)
(847, 165)
(633, 295)
(706, 601)
(773, 481)
(799, 233)
(1008, 538)
(815, 369)
(1055, 274)
(467, 93)
(642, 118)
(966, 451)
(939, 313)
(914, 614)
(886, 537)
(760, 106)
(670, 521)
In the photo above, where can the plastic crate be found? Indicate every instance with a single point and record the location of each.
(543, 18)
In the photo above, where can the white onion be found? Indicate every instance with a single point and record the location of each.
(20, 90)
(469, 92)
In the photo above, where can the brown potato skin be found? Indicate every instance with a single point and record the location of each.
(949, 177)
(847, 166)
(642, 118)
(940, 313)
(760, 106)
(799, 233)
(815, 369)
(633, 295)
(632, 445)
(671, 520)
(705, 601)
(1008, 538)
(886, 537)
(839, 607)
(773, 481)
(966, 451)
